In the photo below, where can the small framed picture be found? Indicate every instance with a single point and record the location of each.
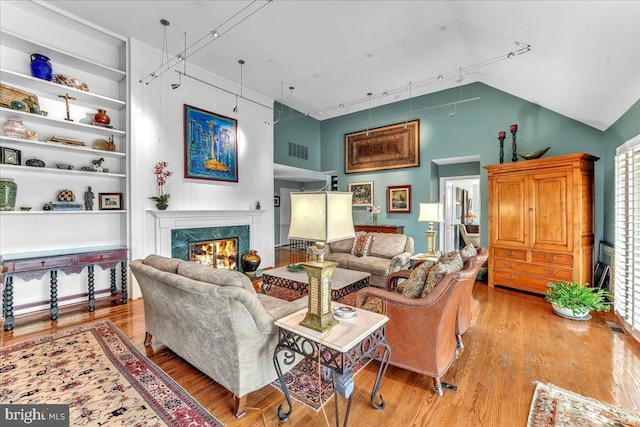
(362, 193)
(399, 199)
(109, 201)
(9, 156)
(276, 201)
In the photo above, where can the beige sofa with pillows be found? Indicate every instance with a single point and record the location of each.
(213, 319)
(379, 254)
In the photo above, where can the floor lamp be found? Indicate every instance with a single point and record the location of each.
(310, 221)
(431, 212)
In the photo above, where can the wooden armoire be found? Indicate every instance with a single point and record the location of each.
(541, 222)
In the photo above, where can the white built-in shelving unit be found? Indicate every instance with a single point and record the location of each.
(100, 59)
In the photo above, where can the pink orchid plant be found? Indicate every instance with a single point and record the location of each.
(161, 177)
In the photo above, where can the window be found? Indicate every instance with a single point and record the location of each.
(627, 233)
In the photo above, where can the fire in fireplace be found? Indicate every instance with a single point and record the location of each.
(221, 253)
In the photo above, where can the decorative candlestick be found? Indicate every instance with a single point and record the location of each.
(514, 130)
(501, 136)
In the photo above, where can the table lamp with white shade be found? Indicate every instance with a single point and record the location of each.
(310, 221)
(431, 212)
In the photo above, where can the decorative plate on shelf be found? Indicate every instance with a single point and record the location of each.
(344, 312)
(295, 267)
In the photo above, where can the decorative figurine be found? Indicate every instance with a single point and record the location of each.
(501, 136)
(88, 200)
(97, 164)
(258, 206)
(66, 99)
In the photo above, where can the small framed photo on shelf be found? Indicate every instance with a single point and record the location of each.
(362, 193)
(276, 201)
(399, 199)
(9, 156)
(110, 201)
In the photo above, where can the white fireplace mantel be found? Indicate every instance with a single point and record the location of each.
(168, 220)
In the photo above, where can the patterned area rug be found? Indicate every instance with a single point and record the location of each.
(305, 386)
(102, 377)
(553, 406)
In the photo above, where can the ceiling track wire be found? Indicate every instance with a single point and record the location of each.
(185, 54)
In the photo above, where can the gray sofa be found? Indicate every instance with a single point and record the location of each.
(388, 254)
(214, 319)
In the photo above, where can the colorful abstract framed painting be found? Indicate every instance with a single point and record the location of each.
(362, 193)
(210, 145)
(399, 199)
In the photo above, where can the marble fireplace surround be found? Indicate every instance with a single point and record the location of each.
(166, 221)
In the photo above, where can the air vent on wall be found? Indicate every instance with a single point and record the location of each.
(298, 151)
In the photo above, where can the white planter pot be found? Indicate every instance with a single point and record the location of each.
(568, 313)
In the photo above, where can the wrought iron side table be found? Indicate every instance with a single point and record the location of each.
(338, 349)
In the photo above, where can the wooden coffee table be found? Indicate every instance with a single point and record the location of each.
(343, 281)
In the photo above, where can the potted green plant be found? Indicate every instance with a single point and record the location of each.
(575, 300)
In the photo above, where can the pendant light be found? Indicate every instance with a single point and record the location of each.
(241, 62)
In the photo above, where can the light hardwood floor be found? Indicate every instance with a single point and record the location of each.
(515, 340)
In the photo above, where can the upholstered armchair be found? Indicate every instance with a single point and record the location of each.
(464, 319)
(469, 238)
(422, 331)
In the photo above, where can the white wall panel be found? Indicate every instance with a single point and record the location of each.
(157, 135)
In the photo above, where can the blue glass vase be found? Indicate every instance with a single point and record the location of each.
(40, 67)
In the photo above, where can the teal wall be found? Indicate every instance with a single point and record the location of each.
(472, 131)
(625, 128)
(459, 169)
(293, 126)
(277, 185)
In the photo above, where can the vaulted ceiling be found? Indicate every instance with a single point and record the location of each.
(583, 62)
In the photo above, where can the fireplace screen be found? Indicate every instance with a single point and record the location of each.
(221, 253)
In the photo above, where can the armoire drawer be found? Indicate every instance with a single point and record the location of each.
(552, 272)
(524, 282)
(551, 258)
(507, 253)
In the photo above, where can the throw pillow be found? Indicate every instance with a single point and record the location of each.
(441, 269)
(373, 304)
(412, 287)
(361, 245)
(468, 251)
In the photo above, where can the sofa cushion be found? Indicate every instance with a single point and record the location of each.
(216, 276)
(341, 258)
(343, 245)
(373, 265)
(441, 269)
(361, 245)
(468, 251)
(168, 265)
(412, 287)
(388, 245)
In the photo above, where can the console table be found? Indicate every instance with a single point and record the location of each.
(34, 265)
(339, 350)
(375, 228)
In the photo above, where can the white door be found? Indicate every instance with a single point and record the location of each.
(285, 214)
(449, 228)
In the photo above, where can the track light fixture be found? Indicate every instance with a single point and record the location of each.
(241, 62)
(184, 68)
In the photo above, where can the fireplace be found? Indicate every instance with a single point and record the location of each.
(218, 253)
(216, 247)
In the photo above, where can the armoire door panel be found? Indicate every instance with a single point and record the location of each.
(510, 208)
(550, 226)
